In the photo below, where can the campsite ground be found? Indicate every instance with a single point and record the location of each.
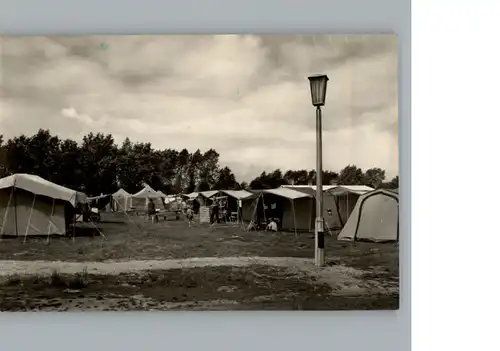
(144, 266)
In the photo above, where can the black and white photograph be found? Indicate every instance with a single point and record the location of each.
(199, 172)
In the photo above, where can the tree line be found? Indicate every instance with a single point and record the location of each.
(98, 165)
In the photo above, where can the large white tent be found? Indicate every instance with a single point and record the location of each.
(140, 199)
(31, 205)
(374, 218)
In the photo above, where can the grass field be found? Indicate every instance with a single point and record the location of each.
(357, 276)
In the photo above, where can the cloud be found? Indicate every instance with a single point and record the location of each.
(245, 96)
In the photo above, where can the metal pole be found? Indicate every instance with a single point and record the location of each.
(319, 231)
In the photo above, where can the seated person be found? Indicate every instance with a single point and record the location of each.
(272, 226)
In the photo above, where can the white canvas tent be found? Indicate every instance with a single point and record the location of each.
(31, 205)
(242, 196)
(346, 197)
(338, 201)
(192, 196)
(195, 196)
(331, 214)
(209, 193)
(120, 200)
(202, 197)
(207, 196)
(296, 209)
(139, 200)
(374, 218)
(162, 194)
(238, 194)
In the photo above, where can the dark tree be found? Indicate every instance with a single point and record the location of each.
(226, 180)
(351, 175)
(97, 165)
(374, 177)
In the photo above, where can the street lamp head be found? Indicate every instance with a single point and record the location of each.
(318, 89)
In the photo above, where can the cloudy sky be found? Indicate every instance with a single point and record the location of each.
(246, 96)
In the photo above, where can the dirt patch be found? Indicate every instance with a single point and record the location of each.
(253, 287)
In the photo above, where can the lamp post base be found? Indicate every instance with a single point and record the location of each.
(320, 258)
(319, 254)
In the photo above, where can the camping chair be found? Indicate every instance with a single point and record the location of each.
(263, 224)
(234, 217)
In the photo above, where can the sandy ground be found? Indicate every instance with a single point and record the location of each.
(345, 280)
(116, 267)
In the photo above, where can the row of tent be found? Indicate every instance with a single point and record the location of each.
(31, 205)
(124, 201)
(293, 205)
(359, 211)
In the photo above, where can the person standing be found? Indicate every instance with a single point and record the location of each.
(152, 211)
(215, 213)
(189, 215)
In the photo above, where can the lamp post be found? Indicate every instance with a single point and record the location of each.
(318, 95)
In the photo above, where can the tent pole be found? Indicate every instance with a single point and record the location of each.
(311, 217)
(347, 207)
(6, 212)
(100, 233)
(130, 219)
(50, 219)
(74, 224)
(15, 210)
(337, 207)
(327, 226)
(238, 211)
(264, 208)
(294, 220)
(255, 206)
(240, 216)
(29, 219)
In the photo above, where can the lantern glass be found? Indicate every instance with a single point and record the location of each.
(318, 89)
